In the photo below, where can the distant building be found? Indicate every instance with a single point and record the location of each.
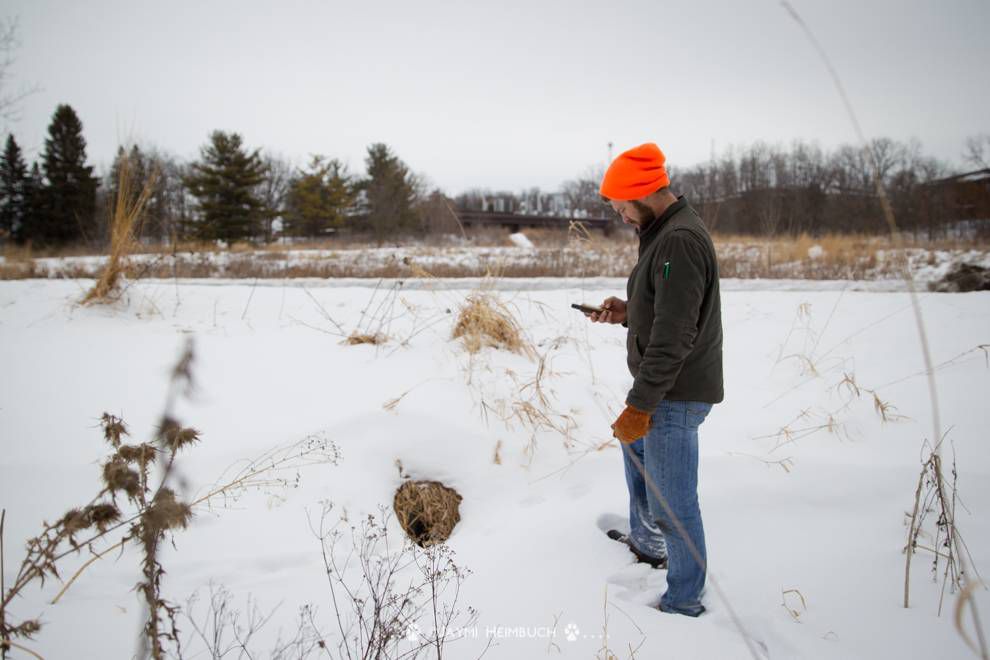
(960, 203)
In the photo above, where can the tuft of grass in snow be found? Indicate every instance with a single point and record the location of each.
(484, 321)
(125, 223)
(356, 338)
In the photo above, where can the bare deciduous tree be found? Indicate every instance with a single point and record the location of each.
(9, 100)
(274, 189)
(978, 151)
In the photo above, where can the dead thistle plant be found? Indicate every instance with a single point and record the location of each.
(133, 508)
(148, 512)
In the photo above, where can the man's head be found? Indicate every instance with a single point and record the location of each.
(636, 185)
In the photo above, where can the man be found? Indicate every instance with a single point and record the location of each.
(674, 353)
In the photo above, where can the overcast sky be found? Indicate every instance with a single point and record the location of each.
(501, 94)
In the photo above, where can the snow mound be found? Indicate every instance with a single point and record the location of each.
(520, 239)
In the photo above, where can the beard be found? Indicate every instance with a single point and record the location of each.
(646, 214)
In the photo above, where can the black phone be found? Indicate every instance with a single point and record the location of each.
(587, 309)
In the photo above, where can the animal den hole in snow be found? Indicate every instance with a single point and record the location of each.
(427, 511)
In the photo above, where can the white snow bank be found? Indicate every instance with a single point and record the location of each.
(520, 239)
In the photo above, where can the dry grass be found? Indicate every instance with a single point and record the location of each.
(493, 237)
(484, 321)
(558, 253)
(427, 511)
(848, 242)
(356, 338)
(125, 224)
(828, 256)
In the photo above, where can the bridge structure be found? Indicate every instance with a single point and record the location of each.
(516, 221)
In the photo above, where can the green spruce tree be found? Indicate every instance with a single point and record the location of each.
(35, 209)
(225, 183)
(319, 199)
(390, 193)
(70, 194)
(14, 185)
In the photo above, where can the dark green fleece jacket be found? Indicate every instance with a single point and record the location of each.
(673, 312)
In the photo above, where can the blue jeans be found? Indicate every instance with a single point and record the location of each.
(669, 455)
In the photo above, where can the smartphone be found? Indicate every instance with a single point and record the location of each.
(587, 309)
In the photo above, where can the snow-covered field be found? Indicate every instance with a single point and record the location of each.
(818, 515)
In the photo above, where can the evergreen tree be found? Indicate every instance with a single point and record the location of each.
(390, 193)
(70, 196)
(320, 199)
(224, 183)
(34, 206)
(14, 185)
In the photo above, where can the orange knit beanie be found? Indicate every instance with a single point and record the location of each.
(636, 173)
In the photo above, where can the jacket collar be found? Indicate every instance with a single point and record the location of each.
(647, 233)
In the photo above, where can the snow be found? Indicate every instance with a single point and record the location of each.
(269, 372)
(520, 239)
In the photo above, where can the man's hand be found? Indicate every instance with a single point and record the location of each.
(631, 425)
(615, 311)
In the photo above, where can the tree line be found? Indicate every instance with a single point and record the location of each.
(764, 189)
(772, 190)
(233, 193)
(229, 193)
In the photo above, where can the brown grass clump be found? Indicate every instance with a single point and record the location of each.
(241, 247)
(356, 338)
(427, 511)
(484, 321)
(125, 222)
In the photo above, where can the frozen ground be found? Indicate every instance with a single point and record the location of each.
(270, 371)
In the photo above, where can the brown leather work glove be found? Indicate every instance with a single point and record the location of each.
(631, 425)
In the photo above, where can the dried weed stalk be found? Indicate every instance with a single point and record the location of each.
(223, 630)
(792, 605)
(884, 409)
(390, 601)
(272, 472)
(532, 406)
(133, 508)
(374, 325)
(126, 502)
(939, 497)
